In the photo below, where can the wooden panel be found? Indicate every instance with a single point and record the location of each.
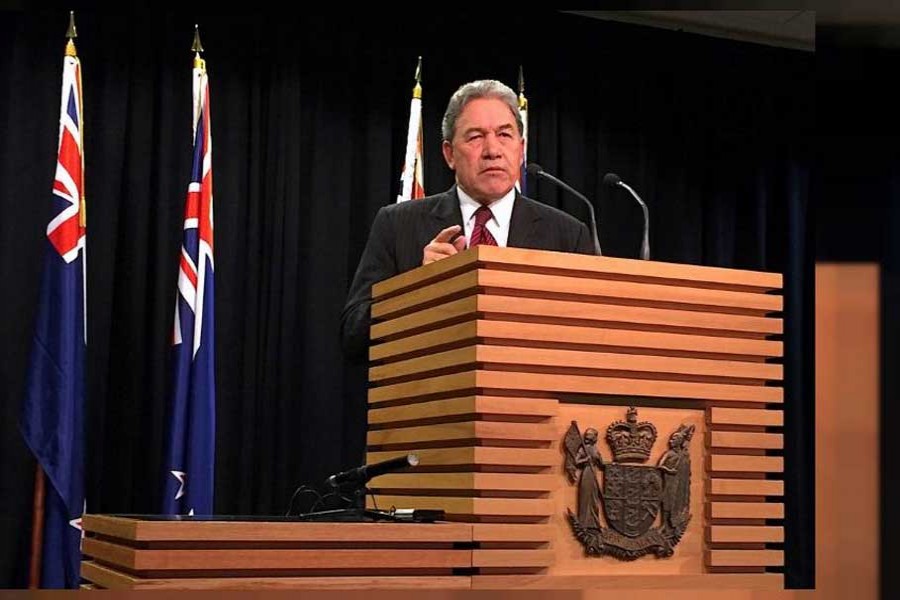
(434, 361)
(597, 266)
(621, 386)
(541, 333)
(739, 439)
(439, 290)
(438, 270)
(446, 335)
(624, 338)
(494, 257)
(544, 285)
(512, 558)
(746, 510)
(746, 464)
(513, 306)
(289, 558)
(745, 416)
(511, 532)
(544, 357)
(552, 384)
(478, 456)
(848, 412)
(513, 507)
(110, 553)
(741, 586)
(466, 430)
(746, 487)
(745, 534)
(469, 405)
(119, 527)
(745, 558)
(254, 531)
(444, 384)
(518, 308)
(109, 578)
(594, 288)
(454, 310)
(466, 481)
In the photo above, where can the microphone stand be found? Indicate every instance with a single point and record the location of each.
(645, 243)
(538, 171)
(355, 510)
(350, 487)
(613, 180)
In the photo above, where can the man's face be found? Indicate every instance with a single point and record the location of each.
(486, 150)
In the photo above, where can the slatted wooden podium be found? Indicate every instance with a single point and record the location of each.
(481, 361)
(479, 364)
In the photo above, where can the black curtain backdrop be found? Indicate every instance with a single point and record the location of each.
(309, 117)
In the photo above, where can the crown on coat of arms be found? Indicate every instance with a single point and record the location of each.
(629, 440)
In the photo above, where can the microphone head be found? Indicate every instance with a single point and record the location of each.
(534, 169)
(611, 179)
(412, 459)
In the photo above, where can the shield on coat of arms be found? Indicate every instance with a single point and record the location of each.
(631, 497)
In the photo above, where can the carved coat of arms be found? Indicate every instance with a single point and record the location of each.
(634, 496)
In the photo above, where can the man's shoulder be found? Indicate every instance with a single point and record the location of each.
(549, 212)
(420, 206)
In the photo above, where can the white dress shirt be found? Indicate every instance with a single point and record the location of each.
(498, 225)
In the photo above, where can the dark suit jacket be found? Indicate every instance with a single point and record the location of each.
(401, 231)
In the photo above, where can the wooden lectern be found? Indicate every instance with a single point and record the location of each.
(481, 364)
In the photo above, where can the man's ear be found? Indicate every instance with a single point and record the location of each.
(447, 149)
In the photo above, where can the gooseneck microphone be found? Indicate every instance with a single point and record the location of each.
(361, 475)
(613, 180)
(538, 171)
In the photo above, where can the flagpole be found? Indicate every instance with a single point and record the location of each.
(523, 114)
(37, 529)
(411, 162)
(72, 33)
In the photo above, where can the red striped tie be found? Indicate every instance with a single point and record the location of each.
(480, 234)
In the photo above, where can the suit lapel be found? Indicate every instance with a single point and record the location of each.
(446, 210)
(523, 225)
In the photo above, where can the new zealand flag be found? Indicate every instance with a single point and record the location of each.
(190, 452)
(52, 419)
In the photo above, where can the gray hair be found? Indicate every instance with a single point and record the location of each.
(485, 88)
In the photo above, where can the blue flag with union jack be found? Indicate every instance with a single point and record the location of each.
(191, 439)
(52, 418)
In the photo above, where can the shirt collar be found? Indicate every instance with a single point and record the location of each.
(501, 208)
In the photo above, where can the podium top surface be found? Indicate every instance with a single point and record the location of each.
(579, 265)
(266, 528)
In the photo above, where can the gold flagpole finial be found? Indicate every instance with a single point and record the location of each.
(417, 90)
(71, 34)
(197, 48)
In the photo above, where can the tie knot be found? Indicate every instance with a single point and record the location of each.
(483, 215)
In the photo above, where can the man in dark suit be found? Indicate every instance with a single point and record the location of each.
(483, 144)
